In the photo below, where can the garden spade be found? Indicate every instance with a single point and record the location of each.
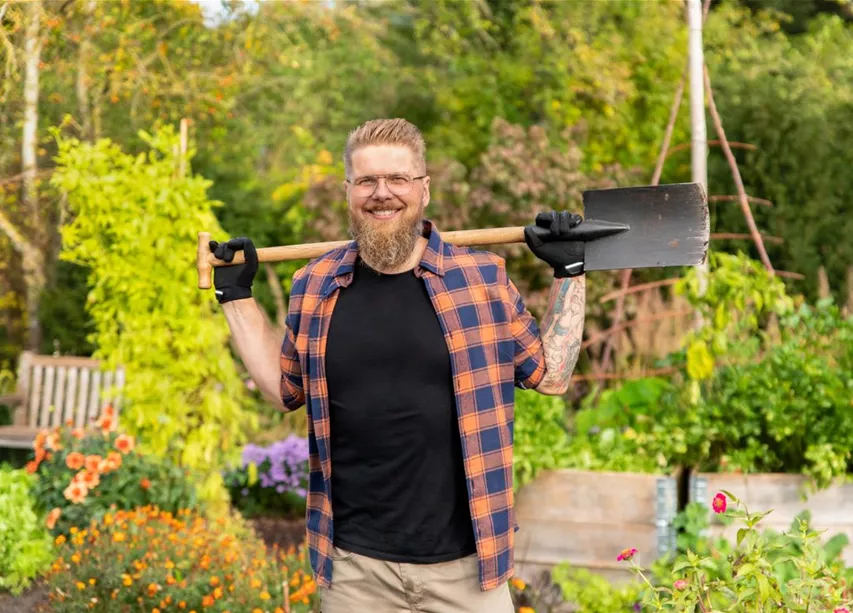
(626, 227)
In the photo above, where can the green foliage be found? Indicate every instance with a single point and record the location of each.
(148, 559)
(770, 572)
(593, 593)
(26, 549)
(786, 412)
(735, 307)
(135, 225)
(540, 438)
(776, 92)
(108, 472)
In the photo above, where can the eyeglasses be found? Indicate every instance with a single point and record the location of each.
(397, 184)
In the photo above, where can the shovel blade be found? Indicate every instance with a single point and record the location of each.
(669, 226)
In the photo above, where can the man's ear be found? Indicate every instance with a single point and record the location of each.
(425, 196)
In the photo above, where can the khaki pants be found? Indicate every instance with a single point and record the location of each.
(365, 585)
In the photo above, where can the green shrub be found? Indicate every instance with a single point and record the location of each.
(83, 473)
(541, 441)
(26, 549)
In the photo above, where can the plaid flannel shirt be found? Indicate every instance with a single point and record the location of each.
(494, 346)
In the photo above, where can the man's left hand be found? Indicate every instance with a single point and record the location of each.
(549, 239)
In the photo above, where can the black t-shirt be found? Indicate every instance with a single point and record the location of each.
(398, 483)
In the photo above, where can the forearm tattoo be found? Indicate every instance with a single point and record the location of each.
(562, 331)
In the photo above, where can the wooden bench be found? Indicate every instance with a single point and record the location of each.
(53, 390)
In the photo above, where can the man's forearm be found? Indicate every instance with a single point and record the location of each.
(258, 346)
(562, 333)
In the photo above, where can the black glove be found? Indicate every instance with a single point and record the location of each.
(548, 240)
(234, 282)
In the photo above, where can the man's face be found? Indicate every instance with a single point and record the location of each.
(386, 204)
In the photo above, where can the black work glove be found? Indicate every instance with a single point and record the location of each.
(234, 282)
(548, 240)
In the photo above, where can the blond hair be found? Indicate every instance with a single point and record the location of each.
(386, 132)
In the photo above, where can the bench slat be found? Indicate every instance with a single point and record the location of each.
(46, 397)
(94, 397)
(58, 396)
(35, 397)
(70, 394)
(82, 396)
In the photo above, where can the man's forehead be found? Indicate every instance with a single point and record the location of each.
(382, 159)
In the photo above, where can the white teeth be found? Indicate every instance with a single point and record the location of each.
(388, 213)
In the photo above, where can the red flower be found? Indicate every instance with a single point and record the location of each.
(626, 554)
(145, 483)
(719, 503)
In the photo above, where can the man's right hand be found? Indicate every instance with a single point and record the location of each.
(234, 282)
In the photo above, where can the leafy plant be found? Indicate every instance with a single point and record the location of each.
(750, 574)
(26, 549)
(147, 559)
(272, 480)
(81, 474)
(541, 441)
(134, 221)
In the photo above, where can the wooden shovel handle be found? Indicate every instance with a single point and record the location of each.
(205, 261)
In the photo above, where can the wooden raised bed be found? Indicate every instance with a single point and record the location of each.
(586, 518)
(787, 495)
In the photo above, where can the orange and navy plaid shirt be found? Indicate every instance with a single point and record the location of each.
(494, 346)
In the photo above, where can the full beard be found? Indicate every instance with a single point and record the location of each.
(386, 246)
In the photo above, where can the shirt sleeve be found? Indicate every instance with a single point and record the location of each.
(292, 388)
(529, 357)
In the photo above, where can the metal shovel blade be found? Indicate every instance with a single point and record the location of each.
(669, 226)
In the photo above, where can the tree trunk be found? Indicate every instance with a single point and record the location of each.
(33, 261)
(82, 82)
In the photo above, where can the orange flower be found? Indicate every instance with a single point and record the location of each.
(125, 443)
(93, 462)
(39, 442)
(207, 601)
(32, 466)
(76, 492)
(145, 483)
(52, 442)
(52, 517)
(78, 433)
(90, 479)
(75, 460)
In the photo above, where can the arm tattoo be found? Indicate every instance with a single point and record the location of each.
(562, 331)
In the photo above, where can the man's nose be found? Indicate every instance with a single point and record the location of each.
(382, 192)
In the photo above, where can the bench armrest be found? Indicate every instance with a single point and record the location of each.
(11, 399)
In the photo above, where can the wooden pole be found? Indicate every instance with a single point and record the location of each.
(698, 130)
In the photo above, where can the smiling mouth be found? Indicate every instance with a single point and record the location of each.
(384, 213)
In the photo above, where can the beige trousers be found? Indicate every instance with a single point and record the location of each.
(365, 585)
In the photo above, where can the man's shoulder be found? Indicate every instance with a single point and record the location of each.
(467, 259)
(314, 274)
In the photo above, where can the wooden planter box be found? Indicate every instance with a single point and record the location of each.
(831, 509)
(586, 518)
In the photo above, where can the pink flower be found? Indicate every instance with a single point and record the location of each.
(841, 610)
(680, 584)
(719, 503)
(626, 555)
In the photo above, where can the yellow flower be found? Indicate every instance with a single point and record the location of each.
(256, 583)
(59, 540)
(92, 581)
(126, 580)
(75, 557)
(81, 585)
(257, 610)
(526, 610)
(119, 537)
(518, 584)
(265, 595)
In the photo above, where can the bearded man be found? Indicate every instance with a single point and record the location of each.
(406, 352)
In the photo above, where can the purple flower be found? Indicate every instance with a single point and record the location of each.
(283, 465)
